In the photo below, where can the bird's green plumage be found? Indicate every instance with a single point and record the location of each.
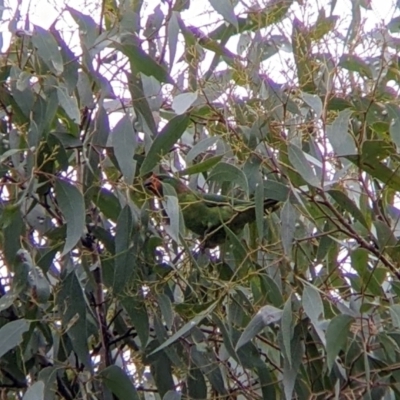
(207, 214)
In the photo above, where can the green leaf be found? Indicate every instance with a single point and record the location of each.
(208, 365)
(395, 315)
(107, 202)
(197, 387)
(302, 166)
(183, 102)
(312, 303)
(166, 309)
(339, 136)
(137, 311)
(336, 337)
(288, 227)
(172, 209)
(124, 261)
(226, 9)
(173, 32)
(68, 103)
(154, 22)
(200, 147)
(259, 202)
(142, 62)
(35, 392)
(88, 29)
(172, 395)
(224, 172)
(291, 366)
(186, 328)
(164, 141)
(48, 51)
(266, 315)
(119, 383)
(124, 145)
(70, 201)
(71, 304)
(140, 102)
(394, 25)
(301, 43)
(394, 129)
(203, 166)
(355, 64)
(314, 102)
(378, 170)
(11, 335)
(287, 329)
(349, 205)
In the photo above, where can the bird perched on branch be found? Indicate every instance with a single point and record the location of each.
(207, 214)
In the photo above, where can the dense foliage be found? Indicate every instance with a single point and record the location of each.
(104, 292)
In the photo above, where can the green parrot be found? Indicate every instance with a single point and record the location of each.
(206, 214)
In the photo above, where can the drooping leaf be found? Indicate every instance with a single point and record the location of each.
(288, 221)
(186, 328)
(70, 201)
(47, 48)
(69, 104)
(336, 337)
(302, 166)
(265, 316)
(72, 305)
(312, 303)
(339, 136)
(124, 144)
(164, 141)
(124, 261)
(287, 329)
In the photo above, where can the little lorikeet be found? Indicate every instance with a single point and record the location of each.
(206, 214)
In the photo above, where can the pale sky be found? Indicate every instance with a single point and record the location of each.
(44, 12)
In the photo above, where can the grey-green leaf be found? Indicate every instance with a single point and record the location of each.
(71, 203)
(312, 303)
(68, 103)
(224, 172)
(47, 48)
(302, 166)
(226, 9)
(164, 141)
(336, 337)
(314, 102)
(35, 392)
(339, 136)
(11, 335)
(124, 144)
(183, 102)
(288, 221)
(266, 315)
(119, 383)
